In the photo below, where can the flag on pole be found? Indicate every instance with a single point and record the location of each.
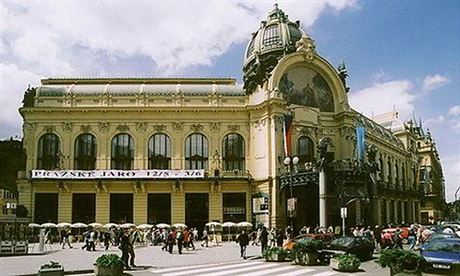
(360, 143)
(287, 132)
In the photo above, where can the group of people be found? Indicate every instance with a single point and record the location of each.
(182, 238)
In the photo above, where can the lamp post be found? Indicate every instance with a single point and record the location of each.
(291, 167)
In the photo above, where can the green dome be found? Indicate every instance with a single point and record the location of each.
(275, 38)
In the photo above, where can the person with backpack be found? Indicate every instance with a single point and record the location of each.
(243, 241)
(180, 240)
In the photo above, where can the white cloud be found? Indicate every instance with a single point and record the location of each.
(384, 97)
(451, 168)
(432, 82)
(431, 122)
(455, 110)
(13, 83)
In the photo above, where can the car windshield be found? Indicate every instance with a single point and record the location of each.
(445, 246)
(342, 241)
(438, 236)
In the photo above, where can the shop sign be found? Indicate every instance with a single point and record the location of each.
(116, 174)
(260, 205)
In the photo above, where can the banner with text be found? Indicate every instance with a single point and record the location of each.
(116, 174)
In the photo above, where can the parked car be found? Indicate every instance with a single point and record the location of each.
(326, 238)
(442, 253)
(437, 236)
(362, 247)
(404, 233)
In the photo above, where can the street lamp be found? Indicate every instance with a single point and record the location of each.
(291, 165)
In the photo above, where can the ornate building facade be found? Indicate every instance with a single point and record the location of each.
(197, 150)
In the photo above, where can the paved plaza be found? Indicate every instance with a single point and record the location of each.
(214, 260)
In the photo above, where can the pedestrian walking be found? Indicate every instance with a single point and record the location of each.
(243, 241)
(263, 239)
(171, 240)
(127, 250)
(106, 240)
(205, 238)
(65, 238)
(180, 241)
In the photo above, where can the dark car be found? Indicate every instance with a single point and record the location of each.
(442, 254)
(437, 236)
(326, 238)
(362, 247)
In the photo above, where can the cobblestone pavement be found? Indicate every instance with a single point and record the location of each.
(214, 260)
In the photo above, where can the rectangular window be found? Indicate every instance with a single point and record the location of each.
(234, 207)
(159, 208)
(84, 208)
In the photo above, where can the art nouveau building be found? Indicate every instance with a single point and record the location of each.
(148, 150)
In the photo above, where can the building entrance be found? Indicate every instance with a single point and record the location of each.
(121, 208)
(196, 210)
(159, 208)
(307, 209)
(46, 208)
(84, 208)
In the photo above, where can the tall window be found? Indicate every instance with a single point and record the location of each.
(48, 148)
(305, 149)
(122, 152)
(196, 152)
(271, 35)
(233, 152)
(160, 151)
(85, 152)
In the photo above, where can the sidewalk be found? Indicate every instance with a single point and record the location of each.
(77, 260)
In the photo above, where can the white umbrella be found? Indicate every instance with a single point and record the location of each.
(228, 224)
(127, 225)
(95, 225)
(162, 225)
(63, 225)
(179, 225)
(244, 224)
(213, 223)
(110, 225)
(34, 225)
(48, 225)
(144, 226)
(79, 225)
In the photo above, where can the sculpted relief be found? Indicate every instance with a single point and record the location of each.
(303, 86)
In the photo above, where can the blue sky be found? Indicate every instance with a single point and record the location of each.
(404, 54)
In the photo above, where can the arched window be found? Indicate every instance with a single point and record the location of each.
(196, 152)
(85, 152)
(48, 152)
(305, 149)
(160, 151)
(122, 152)
(271, 35)
(233, 152)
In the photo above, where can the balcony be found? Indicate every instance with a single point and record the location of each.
(233, 174)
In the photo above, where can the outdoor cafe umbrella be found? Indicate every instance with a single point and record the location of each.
(244, 224)
(95, 225)
(34, 225)
(179, 225)
(79, 225)
(213, 224)
(228, 225)
(63, 225)
(144, 226)
(162, 225)
(48, 225)
(127, 225)
(110, 225)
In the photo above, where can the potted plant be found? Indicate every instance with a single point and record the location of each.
(51, 269)
(108, 265)
(346, 263)
(401, 262)
(306, 252)
(275, 254)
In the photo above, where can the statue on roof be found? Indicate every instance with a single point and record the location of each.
(29, 97)
(343, 74)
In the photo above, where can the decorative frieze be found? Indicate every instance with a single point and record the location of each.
(234, 127)
(49, 128)
(178, 126)
(196, 127)
(67, 127)
(122, 127)
(141, 126)
(30, 127)
(85, 128)
(104, 127)
(159, 128)
(215, 127)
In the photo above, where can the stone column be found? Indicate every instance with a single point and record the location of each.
(322, 199)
